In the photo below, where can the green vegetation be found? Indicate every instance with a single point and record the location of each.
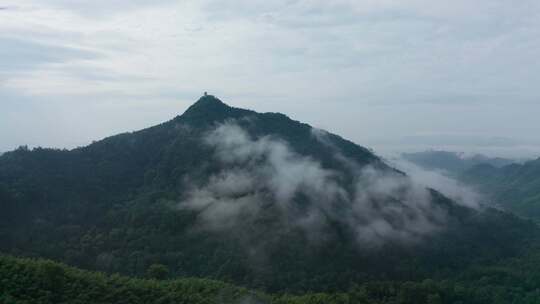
(43, 281)
(514, 187)
(157, 271)
(114, 207)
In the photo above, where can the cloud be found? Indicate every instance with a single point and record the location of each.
(264, 176)
(94, 9)
(429, 42)
(440, 181)
(18, 55)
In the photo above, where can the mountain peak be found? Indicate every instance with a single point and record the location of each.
(211, 109)
(207, 103)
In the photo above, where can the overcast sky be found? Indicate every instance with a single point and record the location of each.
(390, 75)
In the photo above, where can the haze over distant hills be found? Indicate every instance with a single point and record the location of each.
(453, 162)
(511, 184)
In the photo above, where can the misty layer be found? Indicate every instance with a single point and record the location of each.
(261, 174)
(441, 180)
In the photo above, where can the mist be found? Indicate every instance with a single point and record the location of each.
(440, 181)
(261, 174)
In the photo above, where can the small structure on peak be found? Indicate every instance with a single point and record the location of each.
(205, 93)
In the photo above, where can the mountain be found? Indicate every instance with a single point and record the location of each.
(453, 163)
(255, 199)
(515, 187)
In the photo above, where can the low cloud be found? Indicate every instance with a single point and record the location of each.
(440, 181)
(263, 177)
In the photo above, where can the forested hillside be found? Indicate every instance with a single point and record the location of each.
(42, 281)
(253, 199)
(514, 187)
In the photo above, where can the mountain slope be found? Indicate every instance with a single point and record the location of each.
(252, 198)
(515, 187)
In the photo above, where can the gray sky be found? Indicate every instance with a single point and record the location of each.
(390, 75)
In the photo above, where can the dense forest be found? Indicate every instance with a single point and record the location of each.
(43, 281)
(248, 199)
(515, 187)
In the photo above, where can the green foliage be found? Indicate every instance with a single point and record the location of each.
(157, 271)
(515, 187)
(42, 281)
(113, 207)
(24, 281)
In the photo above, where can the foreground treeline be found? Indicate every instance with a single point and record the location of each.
(43, 281)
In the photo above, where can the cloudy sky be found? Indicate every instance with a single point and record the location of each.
(390, 75)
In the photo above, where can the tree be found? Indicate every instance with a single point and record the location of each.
(434, 299)
(52, 275)
(157, 271)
